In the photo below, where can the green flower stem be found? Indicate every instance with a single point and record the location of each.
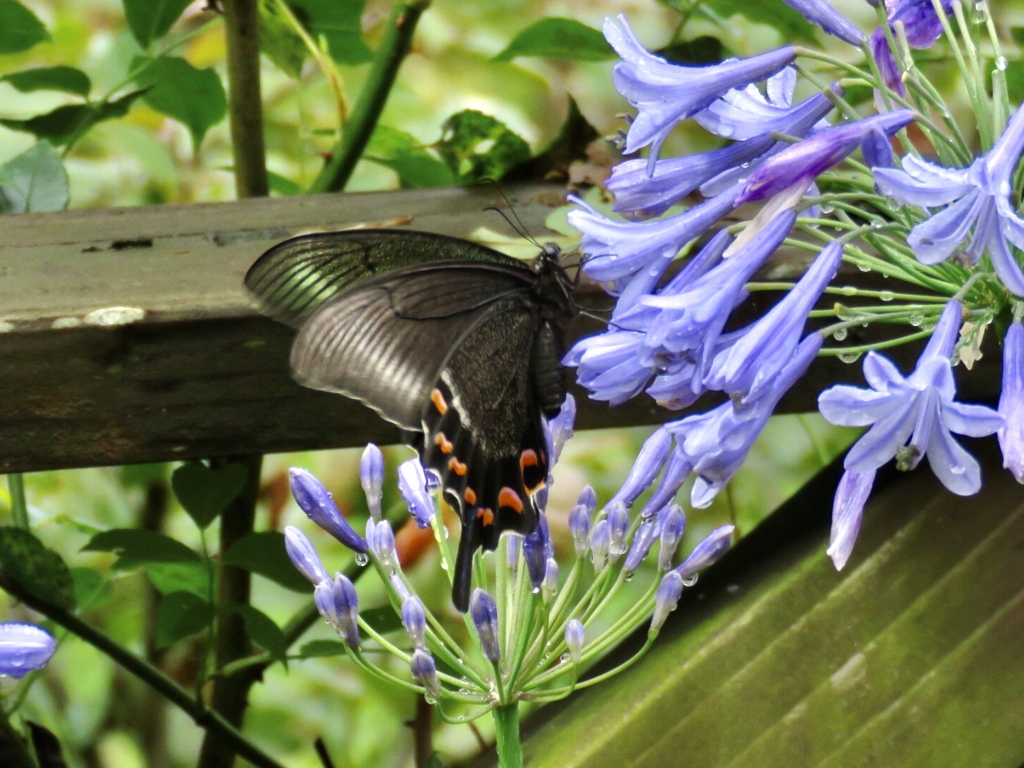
(19, 510)
(506, 733)
(245, 103)
(856, 351)
(365, 114)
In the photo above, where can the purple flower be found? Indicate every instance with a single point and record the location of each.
(338, 603)
(616, 250)
(828, 18)
(716, 443)
(600, 542)
(579, 527)
(371, 477)
(424, 671)
(575, 635)
(303, 556)
(24, 648)
(1011, 402)
(977, 199)
(922, 28)
(318, 505)
(801, 163)
(383, 543)
(537, 548)
(919, 407)
(484, 613)
(646, 467)
(549, 585)
(561, 427)
(706, 553)
(672, 528)
(414, 619)
(847, 508)
(754, 361)
(670, 589)
(412, 483)
(664, 93)
(643, 540)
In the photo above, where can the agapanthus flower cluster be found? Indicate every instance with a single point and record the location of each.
(24, 648)
(534, 623)
(845, 184)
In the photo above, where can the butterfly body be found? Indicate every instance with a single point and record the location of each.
(457, 344)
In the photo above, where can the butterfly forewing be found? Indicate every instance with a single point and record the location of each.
(294, 278)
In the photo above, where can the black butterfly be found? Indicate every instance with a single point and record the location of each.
(457, 344)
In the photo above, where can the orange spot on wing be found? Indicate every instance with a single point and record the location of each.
(509, 498)
(470, 496)
(438, 400)
(528, 458)
(457, 466)
(485, 514)
(442, 442)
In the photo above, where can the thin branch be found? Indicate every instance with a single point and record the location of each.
(356, 134)
(241, 22)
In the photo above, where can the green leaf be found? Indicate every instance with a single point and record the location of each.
(283, 185)
(775, 659)
(791, 25)
(416, 167)
(92, 591)
(20, 29)
(150, 19)
(34, 181)
(339, 23)
(136, 548)
(322, 648)
(1017, 35)
(193, 97)
(558, 38)
(179, 615)
(477, 146)
(34, 568)
(60, 78)
(72, 120)
(206, 492)
(263, 631)
(1014, 74)
(264, 553)
(278, 41)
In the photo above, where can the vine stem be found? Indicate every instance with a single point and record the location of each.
(366, 113)
(241, 23)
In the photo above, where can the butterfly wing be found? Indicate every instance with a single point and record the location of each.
(292, 279)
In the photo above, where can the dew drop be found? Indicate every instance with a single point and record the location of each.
(1001, 63)
(958, 469)
(362, 558)
(915, 319)
(849, 357)
(840, 334)
(886, 296)
(827, 208)
(893, 205)
(627, 576)
(444, 565)
(430, 698)
(689, 581)
(565, 658)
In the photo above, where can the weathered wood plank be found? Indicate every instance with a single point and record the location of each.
(125, 335)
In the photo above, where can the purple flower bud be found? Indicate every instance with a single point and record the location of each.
(338, 603)
(575, 635)
(1011, 402)
(600, 542)
(425, 673)
(412, 482)
(648, 464)
(847, 508)
(672, 527)
(579, 527)
(669, 591)
(23, 648)
(303, 556)
(371, 477)
(535, 553)
(561, 427)
(877, 150)
(318, 505)
(828, 18)
(587, 499)
(643, 539)
(414, 619)
(707, 552)
(384, 543)
(512, 546)
(549, 585)
(618, 527)
(484, 613)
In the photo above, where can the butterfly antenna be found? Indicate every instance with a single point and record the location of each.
(517, 226)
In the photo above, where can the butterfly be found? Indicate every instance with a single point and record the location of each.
(457, 344)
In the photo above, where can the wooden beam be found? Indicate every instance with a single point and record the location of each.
(126, 336)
